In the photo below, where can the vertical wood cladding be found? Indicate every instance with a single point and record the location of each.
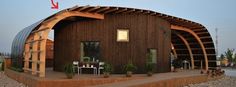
(145, 32)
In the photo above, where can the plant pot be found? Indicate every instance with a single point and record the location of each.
(129, 74)
(176, 69)
(69, 76)
(149, 73)
(202, 72)
(172, 69)
(208, 72)
(106, 74)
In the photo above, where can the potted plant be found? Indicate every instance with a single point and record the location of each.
(177, 63)
(3, 66)
(129, 68)
(150, 68)
(107, 70)
(69, 71)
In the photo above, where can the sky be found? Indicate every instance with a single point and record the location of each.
(18, 14)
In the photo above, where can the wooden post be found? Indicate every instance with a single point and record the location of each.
(35, 54)
(27, 56)
(42, 59)
(42, 54)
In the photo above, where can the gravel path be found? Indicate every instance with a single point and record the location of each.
(226, 81)
(8, 82)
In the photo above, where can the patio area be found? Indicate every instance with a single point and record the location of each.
(58, 79)
(50, 74)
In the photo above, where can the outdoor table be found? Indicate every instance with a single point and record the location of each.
(80, 69)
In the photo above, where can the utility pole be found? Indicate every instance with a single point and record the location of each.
(216, 42)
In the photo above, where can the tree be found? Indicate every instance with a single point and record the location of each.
(229, 54)
(234, 58)
(222, 56)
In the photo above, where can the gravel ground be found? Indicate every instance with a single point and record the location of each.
(8, 82)
(226, 81)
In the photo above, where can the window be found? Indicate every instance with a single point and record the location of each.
(90, 51)
(122, 35)
(152, 55)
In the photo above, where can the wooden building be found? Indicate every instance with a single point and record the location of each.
(116, 35)
(145, 32)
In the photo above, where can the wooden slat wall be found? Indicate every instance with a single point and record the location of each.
(145, 32)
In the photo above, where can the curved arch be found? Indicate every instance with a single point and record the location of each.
(40, 36)
(188, 47)
(174, 27)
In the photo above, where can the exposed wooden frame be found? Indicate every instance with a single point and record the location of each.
(197, 30)
(153, 13)
(102, 9)
(188, 47)
(83, 8)
(27, 57)
(40, 37)
(138, 11)
(202, 33)
(205, 37)
(35, 55)
(146, 12)
(174, 27)
(33, 41)
(93, 9)
(122, 10)
(40, 30)
(110, 10)
(129, 11)
(73, 8)
(82, 14)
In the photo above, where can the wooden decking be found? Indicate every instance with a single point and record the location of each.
(58, 79)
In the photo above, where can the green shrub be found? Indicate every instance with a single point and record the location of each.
(1, 66)
(130, 67)
(177, 63)
(69, 70)
(16, 69)
(150, 67)
(107, 68)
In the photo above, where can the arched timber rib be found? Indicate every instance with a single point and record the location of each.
(197, 38)
(188, 47)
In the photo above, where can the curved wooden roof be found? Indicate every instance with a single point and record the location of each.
(124, 10)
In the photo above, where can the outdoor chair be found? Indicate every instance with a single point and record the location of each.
(76, 65)
(100, 67)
